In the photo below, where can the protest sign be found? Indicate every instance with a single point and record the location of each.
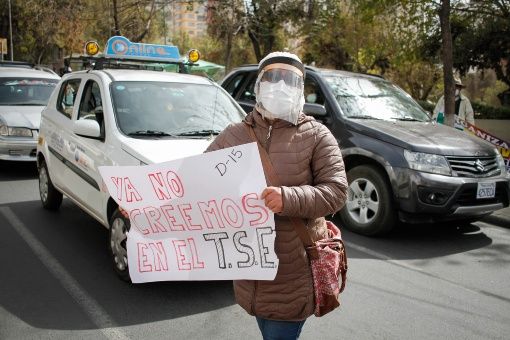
(197, 218)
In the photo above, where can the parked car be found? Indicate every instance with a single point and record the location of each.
(24, 91)
(400, 164)
(122, 116)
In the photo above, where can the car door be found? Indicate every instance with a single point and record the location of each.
(87, 154)
(57, 125)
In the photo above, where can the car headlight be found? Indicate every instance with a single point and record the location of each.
(501, 163)
(427, 162)
(15, 131)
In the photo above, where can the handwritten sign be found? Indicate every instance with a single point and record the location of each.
(197, 218)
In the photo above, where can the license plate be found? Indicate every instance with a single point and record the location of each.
(486, 190)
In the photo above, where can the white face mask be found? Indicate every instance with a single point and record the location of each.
(280, 101)
(457, 92)
(311, 98)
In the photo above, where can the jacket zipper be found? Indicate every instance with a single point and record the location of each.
(268, 138)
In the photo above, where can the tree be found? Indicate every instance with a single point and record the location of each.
(447, 56)
(41, 28)
(226, 22)
(133, 18)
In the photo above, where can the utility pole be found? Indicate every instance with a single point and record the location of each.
(10, 30)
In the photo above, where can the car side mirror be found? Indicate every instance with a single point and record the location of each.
(316, 110)
(87, 128)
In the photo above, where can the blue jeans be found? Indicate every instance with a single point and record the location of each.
(280, 330)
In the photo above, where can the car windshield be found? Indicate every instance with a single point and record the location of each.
(367, 98)
(158, 109)
(26, 91)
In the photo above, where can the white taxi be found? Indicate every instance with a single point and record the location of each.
(123, 116)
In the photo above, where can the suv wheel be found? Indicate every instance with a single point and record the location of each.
(51, 198)
(119, 226)
(369, 206)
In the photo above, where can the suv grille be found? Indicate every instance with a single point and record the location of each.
(474, 166)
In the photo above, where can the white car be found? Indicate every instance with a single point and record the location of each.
(122, 117)
(24, 91)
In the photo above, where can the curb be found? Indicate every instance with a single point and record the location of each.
(499, 220)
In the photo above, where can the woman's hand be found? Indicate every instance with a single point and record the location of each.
(273, 199)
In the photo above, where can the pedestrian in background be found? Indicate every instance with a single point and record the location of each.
(307, 159)
(463, 108)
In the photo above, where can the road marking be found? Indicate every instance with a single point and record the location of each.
(417, 269)
(97, 314)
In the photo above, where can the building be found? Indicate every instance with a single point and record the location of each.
(183, 17)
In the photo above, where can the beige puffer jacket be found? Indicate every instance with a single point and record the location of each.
(309, 164)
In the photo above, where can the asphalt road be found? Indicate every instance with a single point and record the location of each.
(420, 282)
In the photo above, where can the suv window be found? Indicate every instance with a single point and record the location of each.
(233, 86)
(248, 93)
(313, 93)
(67, 96)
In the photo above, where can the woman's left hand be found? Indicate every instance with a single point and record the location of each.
(273, 199)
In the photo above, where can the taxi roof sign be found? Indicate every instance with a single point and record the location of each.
(119, 47)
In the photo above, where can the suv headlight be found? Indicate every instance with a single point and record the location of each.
(14, 131)
(501, 163)
(427, 162)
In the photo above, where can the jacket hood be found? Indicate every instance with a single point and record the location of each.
(21, 116)
(426, 137)
(156, 151)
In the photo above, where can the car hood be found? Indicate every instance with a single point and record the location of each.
(21, 116)
(427, 137)
(162, 150)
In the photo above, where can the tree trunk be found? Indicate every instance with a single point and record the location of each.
(148, 23)
(116, 28)
(256, 45)
(447, 55)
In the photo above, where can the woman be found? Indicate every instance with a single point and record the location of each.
(308, 162)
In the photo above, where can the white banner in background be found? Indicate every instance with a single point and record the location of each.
(197, 218)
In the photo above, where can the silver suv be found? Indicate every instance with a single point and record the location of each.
(24, 91)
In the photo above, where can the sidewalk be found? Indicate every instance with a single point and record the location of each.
(500, 218)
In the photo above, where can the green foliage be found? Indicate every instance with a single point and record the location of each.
(483, 111)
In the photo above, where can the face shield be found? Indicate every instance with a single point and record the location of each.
(279, 92)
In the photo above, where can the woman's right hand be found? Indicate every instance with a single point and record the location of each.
(124, 212)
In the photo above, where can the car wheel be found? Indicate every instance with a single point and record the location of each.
(117, 244)
(369, 206)
(51, 198)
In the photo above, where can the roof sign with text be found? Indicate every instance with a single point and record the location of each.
(121, 48)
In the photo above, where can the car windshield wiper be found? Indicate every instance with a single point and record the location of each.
(407, 119)
(363, 117)
(199, 133)
(150, 133)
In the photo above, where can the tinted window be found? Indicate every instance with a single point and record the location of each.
(67, 96)
(172, 108)
(26, 91)
(373, 98)
(233, 86)
(312, 92)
